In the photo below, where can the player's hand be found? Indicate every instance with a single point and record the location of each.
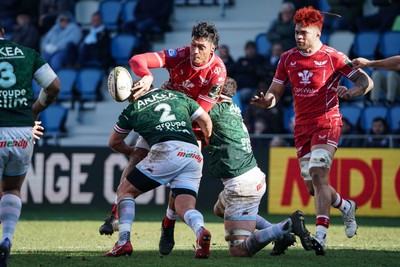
(342, 92)
(37, 131)
(262, 100)
(359, 62)
(142, 86)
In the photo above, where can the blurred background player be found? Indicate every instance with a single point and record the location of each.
(313, 71)
(194, 70)
(19, 110)
(174, 158)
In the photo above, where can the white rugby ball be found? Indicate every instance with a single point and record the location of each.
(119, 84)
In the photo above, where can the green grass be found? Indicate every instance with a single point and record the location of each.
(66, 238)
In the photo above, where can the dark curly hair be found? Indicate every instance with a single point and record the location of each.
(207, 30)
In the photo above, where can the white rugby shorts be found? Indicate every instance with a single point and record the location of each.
(178, 163)
(16, 149)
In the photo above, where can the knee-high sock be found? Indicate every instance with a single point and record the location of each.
(195, 220)
(258, 240)
(10, 210)
(126, 214)
(262, 223)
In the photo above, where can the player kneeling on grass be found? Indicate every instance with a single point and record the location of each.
(244, 185)
(164, 119)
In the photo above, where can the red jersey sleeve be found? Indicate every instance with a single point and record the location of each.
(141, 63)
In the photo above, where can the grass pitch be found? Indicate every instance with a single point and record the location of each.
(64, 238)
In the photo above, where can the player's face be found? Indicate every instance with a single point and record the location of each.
(307, 38)
(200, 51)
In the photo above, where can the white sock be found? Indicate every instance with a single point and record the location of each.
(172, 215)
(342, 204)
(10, 210)
(126, 214)
(195, 220)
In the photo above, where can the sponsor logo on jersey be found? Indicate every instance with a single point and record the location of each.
(172, 52)
(13, 98)
(214, 92)
(14, 143)
(320, 63)
(203, 81)
(305, 76)
(217, 70)
(9, 51)
(293, 63)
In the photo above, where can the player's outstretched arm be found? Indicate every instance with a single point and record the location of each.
(390, 63)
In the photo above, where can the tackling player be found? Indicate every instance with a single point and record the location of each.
(314, 71)
(164, 119)
(232, 160)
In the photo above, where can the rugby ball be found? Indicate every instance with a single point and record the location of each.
(119, 84)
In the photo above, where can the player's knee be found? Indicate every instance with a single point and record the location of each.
(305, 171)
(320, 158)
(235, 239)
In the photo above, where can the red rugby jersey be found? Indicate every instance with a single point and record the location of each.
(203, 83)
(312, 77)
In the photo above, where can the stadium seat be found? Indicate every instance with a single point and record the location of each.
(110, 10)
(369, 114)
(394, 118)
(127, 11)
(123, 47)
(366, 44)
(341, 41)
(262, 44)
(84, 11)
(88, 83)
(67, 78)
(53, 120)
(389, 44)
(352, 113)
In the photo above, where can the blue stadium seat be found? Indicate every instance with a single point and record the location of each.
(389, 45)
(84, 11)
(369, 114)
(88, 82)
(110, 10)
(262, 44)
(128, 11)
(394, 118)
(366, 44)
(352, 113)
(341, 41)
(68, 79)
(123, 47)
(53, 120)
